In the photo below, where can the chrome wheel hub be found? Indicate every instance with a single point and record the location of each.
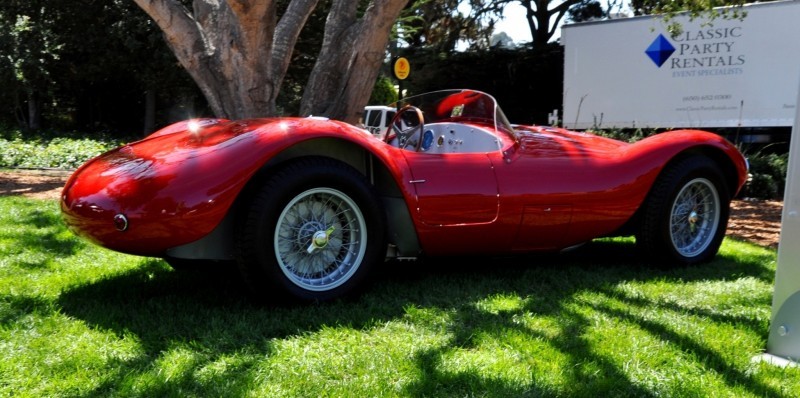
(320, 239)
(693, 219)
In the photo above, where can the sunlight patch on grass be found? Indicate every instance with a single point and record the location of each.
(33, 239)
(501, 303)
(341, 361)
(54, 354)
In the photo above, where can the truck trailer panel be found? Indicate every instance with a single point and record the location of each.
(631, 72)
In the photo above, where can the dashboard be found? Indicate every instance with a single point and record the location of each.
(439, 138)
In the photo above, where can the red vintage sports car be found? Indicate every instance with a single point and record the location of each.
(308, 206)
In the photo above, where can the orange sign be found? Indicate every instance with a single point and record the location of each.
(401, 68)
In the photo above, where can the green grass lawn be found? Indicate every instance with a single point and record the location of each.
(78, 320)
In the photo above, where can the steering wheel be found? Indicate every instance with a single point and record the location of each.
(404, 134)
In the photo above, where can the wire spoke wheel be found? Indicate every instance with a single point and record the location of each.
(320, 239)
(684, 217)
(315, 230)
(694, 218)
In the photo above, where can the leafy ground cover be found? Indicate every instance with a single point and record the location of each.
(51, 150)
(78, 320)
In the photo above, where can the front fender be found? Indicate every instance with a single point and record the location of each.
(666, 147)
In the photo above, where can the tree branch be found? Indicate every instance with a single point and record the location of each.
(287, 33)
(181, 31)
(256, 23)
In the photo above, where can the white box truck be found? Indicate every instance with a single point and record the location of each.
(377, 118)
(630, 73)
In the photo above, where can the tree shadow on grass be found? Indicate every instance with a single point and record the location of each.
(207, 311)
(162, 308)
(595, 270)
(14, 307)
(40, 231)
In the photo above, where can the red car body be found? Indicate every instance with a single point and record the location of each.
(177, 193)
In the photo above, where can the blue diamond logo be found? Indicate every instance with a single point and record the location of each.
(660, 50)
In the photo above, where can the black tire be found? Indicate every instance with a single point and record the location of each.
(313, 232)
(686, 213)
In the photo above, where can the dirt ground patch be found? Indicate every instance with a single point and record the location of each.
(36, 184)
(757, 221)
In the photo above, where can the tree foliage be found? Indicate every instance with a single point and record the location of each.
(587, 11)
(544, 16)
(694, 7)
(383, 93)
(442, 25)
(526, 82)
(99, 65)
(30, 48)
(706, 9)
(84, 64)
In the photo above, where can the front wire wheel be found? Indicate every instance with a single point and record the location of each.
(694, 217)
(320, 239)
(685, 215)
(313, 231)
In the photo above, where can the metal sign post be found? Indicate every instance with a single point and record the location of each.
(783, 345)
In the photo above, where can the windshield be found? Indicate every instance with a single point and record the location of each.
(464, 106)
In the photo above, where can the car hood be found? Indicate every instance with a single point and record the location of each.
(552, 141)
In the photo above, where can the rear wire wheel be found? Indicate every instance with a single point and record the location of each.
(686, 213)
(313, 232)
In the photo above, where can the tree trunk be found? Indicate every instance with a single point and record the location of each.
(348, 64)
(149, 112)
(236, 51)
(542, 34)
(538, 17)
(34, 111)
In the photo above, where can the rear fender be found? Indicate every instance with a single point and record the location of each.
(377, 166)
(387, 173)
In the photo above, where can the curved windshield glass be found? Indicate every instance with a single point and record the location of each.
(464, 106)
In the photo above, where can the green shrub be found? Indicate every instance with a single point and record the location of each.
(626, 135)
(768, 175)
(761, 186)
(48, 150)
(384, 92)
